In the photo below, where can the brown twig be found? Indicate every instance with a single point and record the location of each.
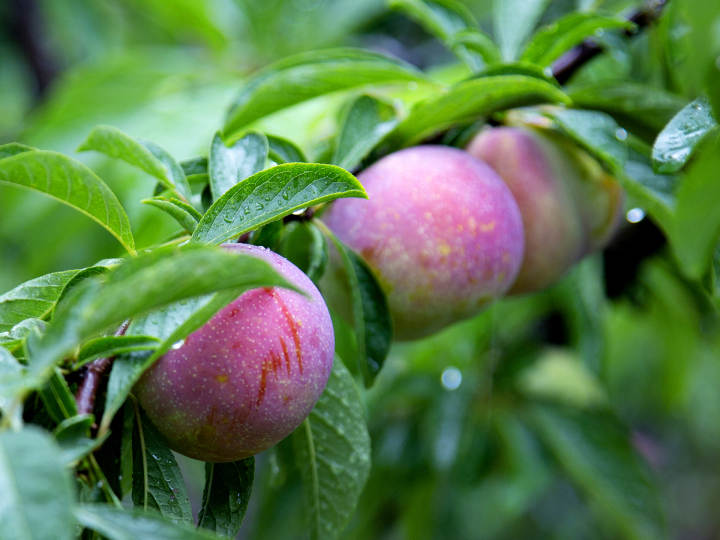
(92, 376)
(566, 66)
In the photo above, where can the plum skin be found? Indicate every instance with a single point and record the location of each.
(569, 205)
(440, 230)
(249, 376)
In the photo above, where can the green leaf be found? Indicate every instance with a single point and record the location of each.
(137, 286)
(157, 481)
(312, 74)
(365, 123)
(602, 137)
(332, 451)
(284, 151)
(72, 183)
(272, 194)
(11, 383)
(468, 100)
(476, 41)
(369, 309)
(15, 337)
(73, 436)
(304, 245)
(58, 399)
(519, 68)
(513, 22)
(198, 165)
(170, 325)
(33, 299)
(595, 451)
(180, 211)
(226, 495)
(632, 104)
(229, 165)
(125, 476)
(12, 149)
(552, 41)
(37, 493)
(120, 524)
(112, 142)
(175, 172)
(113, 345)
(696, 227)
(676, 142)
(445, 19)
(99, 268)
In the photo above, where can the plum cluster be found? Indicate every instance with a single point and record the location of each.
(446, 231)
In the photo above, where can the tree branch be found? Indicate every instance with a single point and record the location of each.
(92, 377)
(566, 66)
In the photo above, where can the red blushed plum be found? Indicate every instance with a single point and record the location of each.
(249, 376)
(569, 205)
(440, 229)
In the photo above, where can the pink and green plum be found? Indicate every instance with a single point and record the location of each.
(570, 206)
(249, 376)
(441, 231)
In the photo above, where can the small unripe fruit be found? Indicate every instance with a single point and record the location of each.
(569, 205)
(441, 231)
(249, 376)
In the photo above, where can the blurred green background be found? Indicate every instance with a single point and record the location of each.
(513, 425)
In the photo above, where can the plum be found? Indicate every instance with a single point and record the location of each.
(440, 230)
(249, 376)
(570, 206)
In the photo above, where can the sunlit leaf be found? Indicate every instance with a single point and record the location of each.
(228, 165)
(72, 183)
(180, 211)
(365, 124)
(308, 75)
(468, 100)
(272, 194)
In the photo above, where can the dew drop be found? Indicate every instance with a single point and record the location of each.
(178, 344)
(259, 206)
(621, 134)
(635, 215)
(451, 378)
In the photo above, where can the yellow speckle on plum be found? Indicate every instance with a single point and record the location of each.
(487, 227)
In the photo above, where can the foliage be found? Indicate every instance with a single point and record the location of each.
(592, 400)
